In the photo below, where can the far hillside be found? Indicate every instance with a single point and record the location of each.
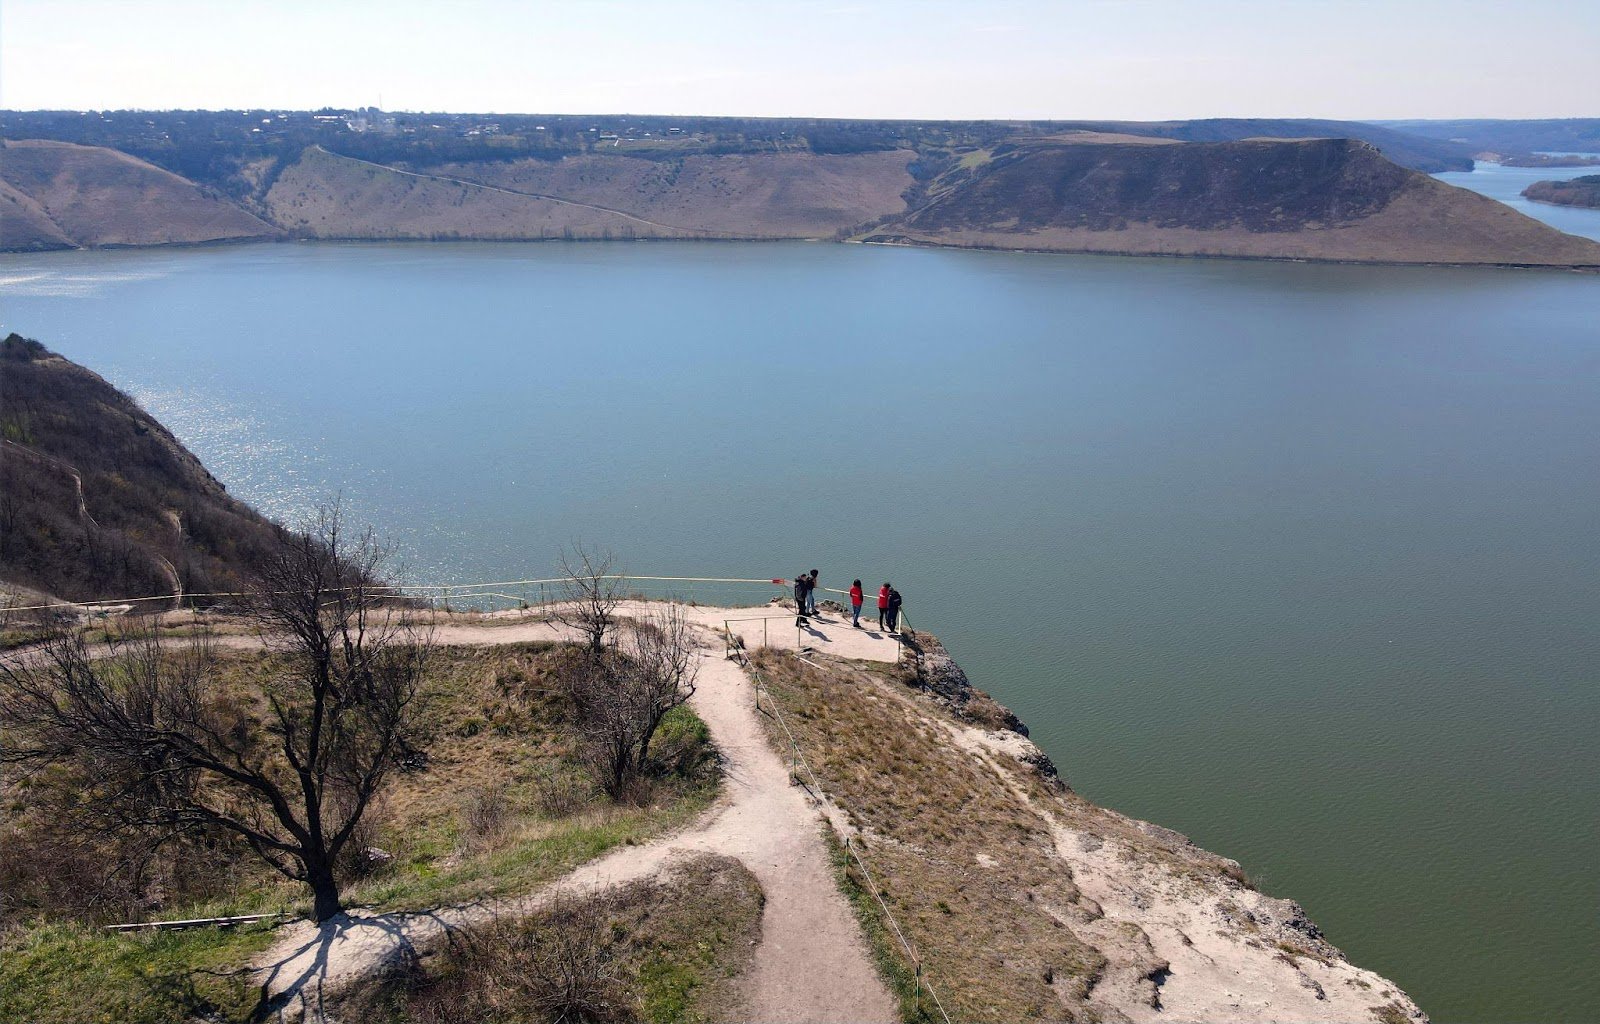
(1507, 137)
(1250, 188)
(1327, 199)
(56, 195)
(98, 500)
(1583, 192)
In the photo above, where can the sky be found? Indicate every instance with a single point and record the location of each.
(1115, 59)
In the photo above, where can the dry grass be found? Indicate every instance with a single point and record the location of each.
(662, 949)
(495, 723)
(493, 805)
(91, 195)
(964, 861)
(745, 195)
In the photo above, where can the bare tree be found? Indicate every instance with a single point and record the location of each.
(290, 769)
(621, 697)
(591, 590)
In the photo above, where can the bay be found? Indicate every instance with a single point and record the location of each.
(1299, 560)
(1506, 184)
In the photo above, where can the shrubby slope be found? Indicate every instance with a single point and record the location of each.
(99, 500)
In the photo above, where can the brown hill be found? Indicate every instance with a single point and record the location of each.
(1322, 199)
(750, 195)
(61, 195)
(761, 195)
(25, 226)
(99, 500)
(1071, 191)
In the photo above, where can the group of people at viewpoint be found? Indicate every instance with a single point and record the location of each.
(889, 602)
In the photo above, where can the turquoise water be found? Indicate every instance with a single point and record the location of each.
(1300, 560)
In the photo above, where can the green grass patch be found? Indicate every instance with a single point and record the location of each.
(72, 973)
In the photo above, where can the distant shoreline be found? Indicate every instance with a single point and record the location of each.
(219, 243)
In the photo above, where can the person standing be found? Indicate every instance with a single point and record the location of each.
(895, 601)
(802, 590)
(811, 594)
(883, 606)
(855, 604)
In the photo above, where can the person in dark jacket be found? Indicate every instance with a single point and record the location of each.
(855, 604)
(811, 594)
(802, 590)
(895, 601)
(883, 606)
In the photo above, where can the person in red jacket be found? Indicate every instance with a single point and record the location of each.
(855, 604)
(883, 606)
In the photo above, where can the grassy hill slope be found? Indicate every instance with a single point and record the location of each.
(1310, 199)
(56, 195)
(760, 195)
(324, 195)
(99, 500)
(757, 195)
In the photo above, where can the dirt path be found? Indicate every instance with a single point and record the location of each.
(812, 964)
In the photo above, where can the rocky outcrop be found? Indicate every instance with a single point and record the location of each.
(1042, 901)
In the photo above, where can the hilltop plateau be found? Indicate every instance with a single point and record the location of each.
(1325, 199)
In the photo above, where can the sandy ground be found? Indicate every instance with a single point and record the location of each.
(812, 964)
(1220, 944)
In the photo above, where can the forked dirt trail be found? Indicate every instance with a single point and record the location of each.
(812, 964)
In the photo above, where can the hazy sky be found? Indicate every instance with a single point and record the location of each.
(1136, 59)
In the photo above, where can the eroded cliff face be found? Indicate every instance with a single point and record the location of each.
(1026, 901)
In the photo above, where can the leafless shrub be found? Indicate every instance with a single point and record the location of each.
(559, 968)
(561, 793)
(621, 697)
(484, 817)
(168, 752)
(590, 593)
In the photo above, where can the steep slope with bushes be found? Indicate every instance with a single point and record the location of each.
(98, 500)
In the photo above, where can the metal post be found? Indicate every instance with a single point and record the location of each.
(764, 634)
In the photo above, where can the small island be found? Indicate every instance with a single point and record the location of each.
(1550, 160)
(1584, 192)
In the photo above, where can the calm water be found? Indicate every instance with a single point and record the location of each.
(1299, 560)
(1506, 184)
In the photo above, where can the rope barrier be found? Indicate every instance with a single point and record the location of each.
(447, 590)
(797, 755)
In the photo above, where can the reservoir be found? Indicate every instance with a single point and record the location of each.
(1302, 561)
(1506, 184)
